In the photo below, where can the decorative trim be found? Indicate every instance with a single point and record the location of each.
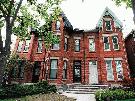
(77, 37)
(54, 57)
(107, 35)
(65, 59)
(66, 36)
(91, 37)
(107, 19)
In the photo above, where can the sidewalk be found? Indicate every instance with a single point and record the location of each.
(81, 97)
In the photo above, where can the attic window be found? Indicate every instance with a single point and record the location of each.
(108, 25)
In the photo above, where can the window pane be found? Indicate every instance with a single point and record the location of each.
(20, 46)
(57, 25)
(20, 69)
(115, 42)
(39, 49)
(106, 43)
(66, 44)
(119, 69)
(65, 70)
(55, 46)
(27, 43)
(53, 70)
(109, 70)
(91, 45)
(53, 74)
(77, 45)
(108, 25)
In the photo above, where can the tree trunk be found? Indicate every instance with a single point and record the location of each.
(133, 7)
(8, 36)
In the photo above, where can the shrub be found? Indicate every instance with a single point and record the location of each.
(117, 94)
(18, 90)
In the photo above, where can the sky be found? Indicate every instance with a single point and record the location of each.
(85, 15)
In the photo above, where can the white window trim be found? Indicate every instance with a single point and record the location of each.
(65, 59)
(118, 58)
(108, 59)
(117, 43)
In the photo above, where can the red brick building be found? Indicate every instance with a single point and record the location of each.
(130, 48)
(90, 57)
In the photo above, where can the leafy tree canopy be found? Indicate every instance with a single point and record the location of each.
(127, 2)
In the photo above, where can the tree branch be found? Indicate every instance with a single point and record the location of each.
(5, 7)
(16, 11)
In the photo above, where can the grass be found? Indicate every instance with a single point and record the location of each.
(43, 97)
(126, 100)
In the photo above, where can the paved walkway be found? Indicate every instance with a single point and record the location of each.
(81, 97)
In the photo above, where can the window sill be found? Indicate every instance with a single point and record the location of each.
(64, 79)
(39, 52)
(116, 49)
(108, 30)
(92, 51)
(52, 79)
(106, 50)
(25, 51)
(55, 49)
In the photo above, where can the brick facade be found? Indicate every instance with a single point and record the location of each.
(84, 65)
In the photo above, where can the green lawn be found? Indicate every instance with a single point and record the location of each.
(126, 100)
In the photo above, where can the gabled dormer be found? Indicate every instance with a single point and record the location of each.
(108, 22)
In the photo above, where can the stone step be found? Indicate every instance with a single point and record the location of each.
(80, 92)
(99, 86)
(83, 87)
(85, 90)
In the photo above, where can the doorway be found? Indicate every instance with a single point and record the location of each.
(77, 71)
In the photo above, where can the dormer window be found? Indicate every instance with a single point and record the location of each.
(108, 25)
(58, 25)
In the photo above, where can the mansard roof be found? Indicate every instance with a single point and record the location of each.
(107, 12)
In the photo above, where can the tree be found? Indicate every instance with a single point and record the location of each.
(18, 18)
(129, 3)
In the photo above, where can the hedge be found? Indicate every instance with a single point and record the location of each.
(18, 90)
(111, 95)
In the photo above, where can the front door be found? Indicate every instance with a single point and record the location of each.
(36, 71)
(77, 72)
(93, 73)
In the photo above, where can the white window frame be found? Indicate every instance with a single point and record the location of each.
(54, 68)
(115, 43)
(119, 70)
(110, 69)
(27, 44)
(93, 45)
(105, 43)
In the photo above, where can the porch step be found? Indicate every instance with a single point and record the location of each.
(86, 89)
